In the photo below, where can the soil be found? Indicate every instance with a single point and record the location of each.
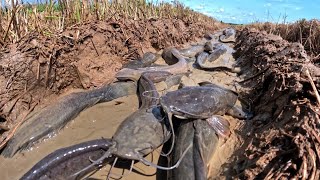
(281, 141)
(96, 122)
(40, 67)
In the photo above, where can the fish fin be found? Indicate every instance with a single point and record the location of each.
(180, 117)
(220, 125)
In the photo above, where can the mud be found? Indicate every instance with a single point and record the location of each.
(56, 116)
(90, 124)
(40, 67)
(281, 141)
(225, 79)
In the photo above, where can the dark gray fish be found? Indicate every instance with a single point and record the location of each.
(147, 60)
(209, 46)
(64, 162)
(177, 65)
(236, 111)
(199, 102)
(201, 59)
(54, 117)
(185, 136)
(205, 136)
(228, 36)
(145, 128)
(204, 140)
(191, 51)
(216, 53)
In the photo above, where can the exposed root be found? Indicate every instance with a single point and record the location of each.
(313, 86)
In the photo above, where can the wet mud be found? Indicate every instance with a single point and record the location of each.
(280, 141)
(92, 123)
(86, 131)
(39, 68)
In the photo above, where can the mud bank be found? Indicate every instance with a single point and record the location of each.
(282, 140)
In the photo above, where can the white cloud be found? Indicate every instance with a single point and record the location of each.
(292, 6)
(276, 1)
(220, 10)
(267, 5)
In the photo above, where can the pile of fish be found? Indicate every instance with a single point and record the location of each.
(190, 119)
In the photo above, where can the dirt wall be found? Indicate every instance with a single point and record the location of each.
(282, 139)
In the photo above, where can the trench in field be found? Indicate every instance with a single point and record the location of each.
(103, 119)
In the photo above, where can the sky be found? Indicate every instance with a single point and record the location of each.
(247, 11)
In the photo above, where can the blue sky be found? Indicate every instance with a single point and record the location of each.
(247, 11)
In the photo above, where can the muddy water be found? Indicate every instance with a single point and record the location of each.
(103, 119)
(98, 121)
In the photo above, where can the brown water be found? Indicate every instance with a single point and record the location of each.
(98, 121)
(103, 119)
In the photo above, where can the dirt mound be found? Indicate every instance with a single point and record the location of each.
(282, 139)
(39, 67)
(305, 32)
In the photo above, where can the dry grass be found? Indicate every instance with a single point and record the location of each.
(305, 32)
(17, 20)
